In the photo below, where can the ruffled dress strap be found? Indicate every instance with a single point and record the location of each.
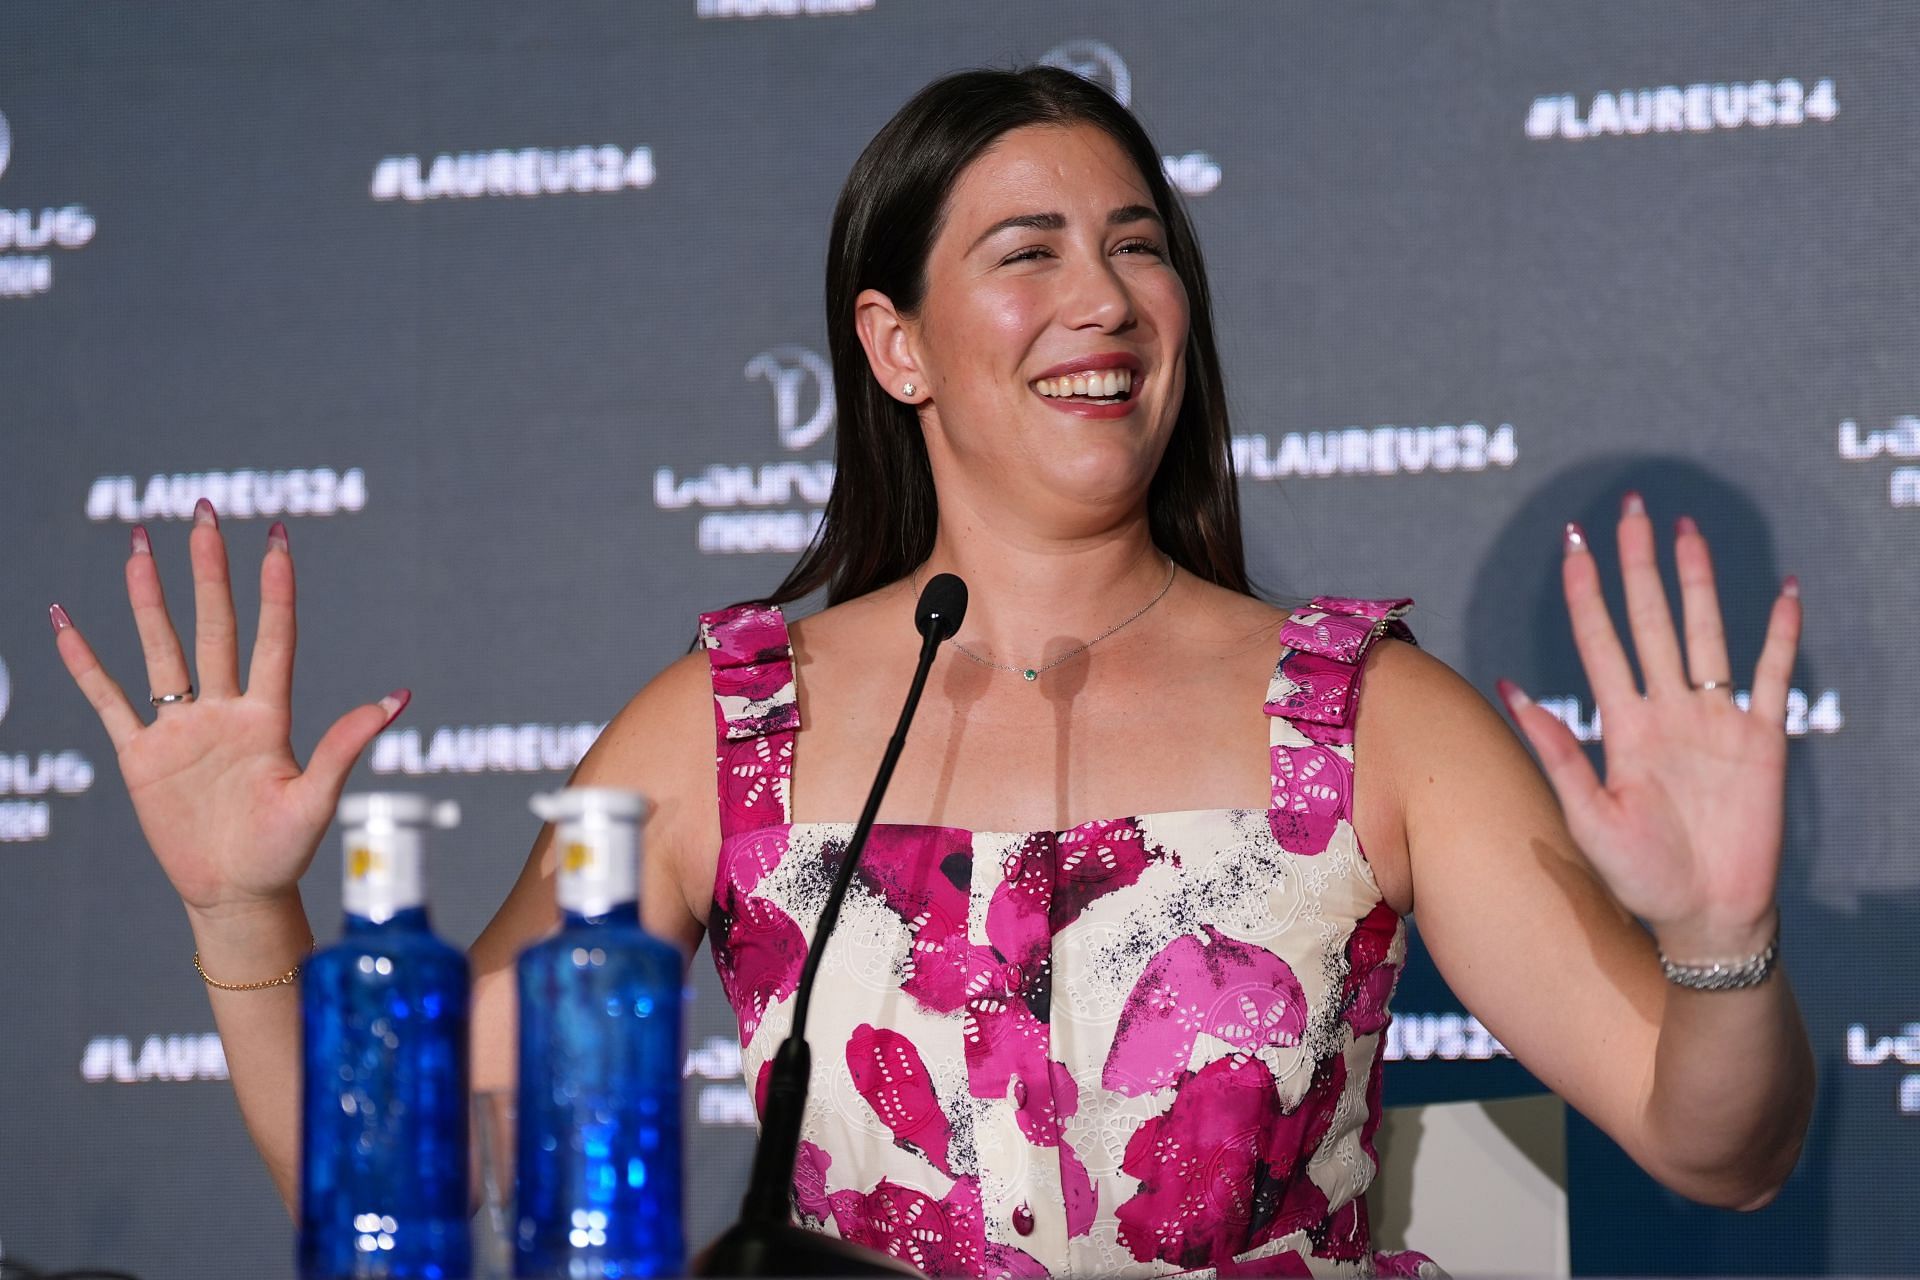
(1312, 696)
(755, 714)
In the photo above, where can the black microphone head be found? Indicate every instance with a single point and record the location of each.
(943, 603)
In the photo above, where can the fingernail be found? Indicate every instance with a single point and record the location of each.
(1685, 526)
(1791, 587)
(59, 618)
(1512, 694)
(203, 513)
(141, 547)
(277, 535)
(1633, 504)
(396, 702)
(1576, 538)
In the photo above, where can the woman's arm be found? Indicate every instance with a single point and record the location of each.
(234, 820)
(1529, 907)
(231, 816)
(260, 1030)
(661, 744)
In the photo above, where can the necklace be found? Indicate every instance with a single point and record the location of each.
(1030, 674)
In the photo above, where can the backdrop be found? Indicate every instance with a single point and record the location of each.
(513, 314)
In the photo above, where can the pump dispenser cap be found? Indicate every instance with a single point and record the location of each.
(597, 846)
(398, 806)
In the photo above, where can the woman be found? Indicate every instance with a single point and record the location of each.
(1050, 1038)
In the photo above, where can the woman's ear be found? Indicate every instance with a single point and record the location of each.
(888, 340)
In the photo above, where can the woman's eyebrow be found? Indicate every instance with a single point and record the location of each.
(1034, 221)
(1056, 221)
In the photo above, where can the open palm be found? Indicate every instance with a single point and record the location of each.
(232, 817)
(1686, 827)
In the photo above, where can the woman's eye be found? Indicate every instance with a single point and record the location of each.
(1035, 252)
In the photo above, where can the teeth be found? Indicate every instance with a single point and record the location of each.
(1104, 385)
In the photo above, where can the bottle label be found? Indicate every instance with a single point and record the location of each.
(383, 872)
(597, 870)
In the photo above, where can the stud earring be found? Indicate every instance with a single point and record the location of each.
(906, 388)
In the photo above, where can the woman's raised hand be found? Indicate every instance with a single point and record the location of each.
(1686, 828)
(231, 815)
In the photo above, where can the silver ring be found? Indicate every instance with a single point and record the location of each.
(162, 699)
(1708, 686)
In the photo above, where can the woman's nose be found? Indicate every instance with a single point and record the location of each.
(1098, 298)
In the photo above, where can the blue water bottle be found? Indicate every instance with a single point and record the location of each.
(383, 1152)
(598, 1144)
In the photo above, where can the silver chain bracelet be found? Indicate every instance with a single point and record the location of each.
(1723, 976)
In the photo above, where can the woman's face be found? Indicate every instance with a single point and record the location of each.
(1052, 336)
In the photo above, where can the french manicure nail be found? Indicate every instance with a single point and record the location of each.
(59, 618)
(396, 702)
(1685, 526)
(1576, 539)
(277, 535)
(138, 540)
(203, 513)
(1791, 587)
(1633, 504)
(1512, 694)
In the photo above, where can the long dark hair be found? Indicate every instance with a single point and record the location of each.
(881, 516)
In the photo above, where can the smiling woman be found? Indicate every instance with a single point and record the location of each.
(1110, 992)
(973, 167)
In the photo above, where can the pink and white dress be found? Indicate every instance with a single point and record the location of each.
(1144, 1046)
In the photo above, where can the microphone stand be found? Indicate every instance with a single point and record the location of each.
(765, 1241)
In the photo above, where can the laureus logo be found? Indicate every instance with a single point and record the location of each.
(1096, 62)
(794, 372)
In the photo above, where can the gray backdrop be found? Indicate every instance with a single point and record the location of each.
(513, 313)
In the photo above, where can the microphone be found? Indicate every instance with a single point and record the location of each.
(765, 1241)
(942, 607)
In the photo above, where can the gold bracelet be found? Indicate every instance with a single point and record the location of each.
(283, 980)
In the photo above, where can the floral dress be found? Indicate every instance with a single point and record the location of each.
(1143, 1046)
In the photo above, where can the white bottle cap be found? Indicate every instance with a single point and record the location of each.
(381, 832)
(597, 846)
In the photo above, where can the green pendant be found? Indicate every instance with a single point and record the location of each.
(1030, 674)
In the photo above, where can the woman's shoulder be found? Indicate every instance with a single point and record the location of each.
(756, 632)
(1296, 619)
(1413, 703)
(849, 626)
(669, 713)
(1402, 681)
